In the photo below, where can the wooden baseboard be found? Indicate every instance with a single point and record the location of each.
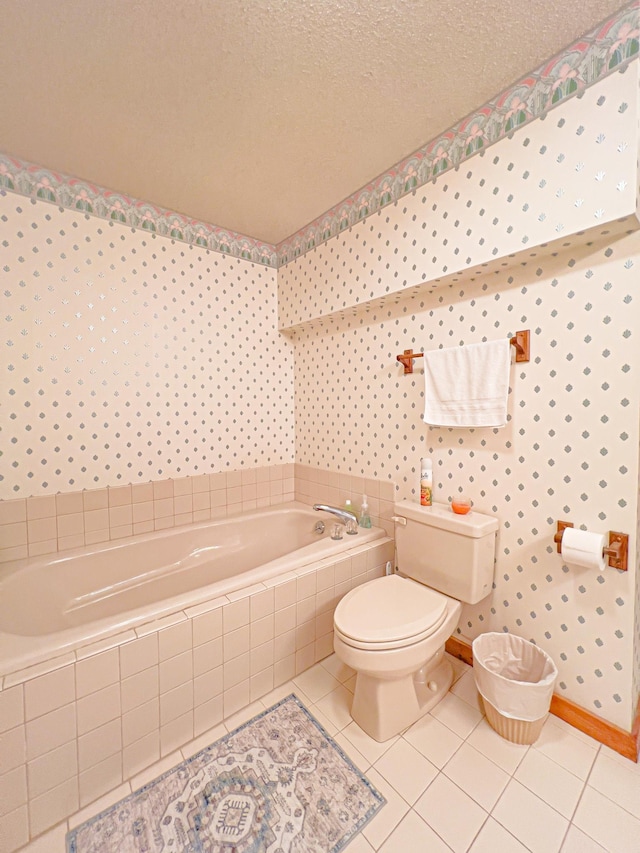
(625, 743)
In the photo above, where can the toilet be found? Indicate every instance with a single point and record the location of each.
(392, 630)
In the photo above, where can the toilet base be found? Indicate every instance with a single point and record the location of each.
(385, 707)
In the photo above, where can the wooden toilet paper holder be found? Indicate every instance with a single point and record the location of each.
(617, 551)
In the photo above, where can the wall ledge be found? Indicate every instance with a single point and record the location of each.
(587, 237)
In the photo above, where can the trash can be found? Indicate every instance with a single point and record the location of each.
(515, 679)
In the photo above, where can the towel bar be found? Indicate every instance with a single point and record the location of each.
(520, 341)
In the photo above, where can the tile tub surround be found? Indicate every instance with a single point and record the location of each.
(31, 527)
(83, 724)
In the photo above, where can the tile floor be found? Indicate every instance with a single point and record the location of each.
(451, 783)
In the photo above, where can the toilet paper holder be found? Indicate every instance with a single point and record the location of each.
(617, 551)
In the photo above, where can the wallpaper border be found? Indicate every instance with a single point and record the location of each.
(606, 49)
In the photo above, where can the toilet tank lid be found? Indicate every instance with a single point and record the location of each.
(473, 524)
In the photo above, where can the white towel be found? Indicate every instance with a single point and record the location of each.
(467, 386)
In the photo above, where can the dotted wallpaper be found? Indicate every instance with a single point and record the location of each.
(569, 451)
(128, 357)
(569, 171)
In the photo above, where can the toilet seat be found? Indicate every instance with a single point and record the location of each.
(389, 613)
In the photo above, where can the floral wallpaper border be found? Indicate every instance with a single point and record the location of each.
(604, 50)
(37, 182)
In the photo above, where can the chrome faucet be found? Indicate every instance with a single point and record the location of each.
(349, 519)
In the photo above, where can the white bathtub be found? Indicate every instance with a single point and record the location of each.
(53, 605)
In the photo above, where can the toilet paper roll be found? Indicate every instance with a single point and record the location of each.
(582, 548)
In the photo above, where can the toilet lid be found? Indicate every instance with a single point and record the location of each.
(389, 610)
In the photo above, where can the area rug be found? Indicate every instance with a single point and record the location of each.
(277, 784)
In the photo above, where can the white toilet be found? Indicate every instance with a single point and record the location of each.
(392, 630)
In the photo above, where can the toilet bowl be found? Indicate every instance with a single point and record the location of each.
(392, 630)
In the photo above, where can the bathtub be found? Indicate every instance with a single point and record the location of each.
(53, 605)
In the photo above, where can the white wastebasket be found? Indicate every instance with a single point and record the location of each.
(515, 679)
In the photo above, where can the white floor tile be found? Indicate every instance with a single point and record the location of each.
(454, 769)
(456, 715)
(494, 838)
(338, 670)
(453, 815)
(619, 782)
(577, 842)
(568, 750)
(363, 764)
(433, 739)
(552, 783)
(539, 827)
(465, 688)
(337, 706)
(413, 834)
(607, 823)
(503, 753)
(389, 816)
(407, 770)
(370, 748)
(479, 777)
(328, 725)
(359, 844)
(316, 682)
(459, 667)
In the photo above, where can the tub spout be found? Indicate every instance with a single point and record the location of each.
(346, 517)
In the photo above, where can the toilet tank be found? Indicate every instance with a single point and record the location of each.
(454, 554)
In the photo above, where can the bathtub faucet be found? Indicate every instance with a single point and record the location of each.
(349, 520)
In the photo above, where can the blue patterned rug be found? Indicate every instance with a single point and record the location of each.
(277, 784)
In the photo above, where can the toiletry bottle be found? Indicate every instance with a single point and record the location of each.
(365, 518)
(349, 506)
(426, 482)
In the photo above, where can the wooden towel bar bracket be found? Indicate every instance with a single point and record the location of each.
(520, 341)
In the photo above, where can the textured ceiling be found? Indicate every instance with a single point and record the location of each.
(258, 115)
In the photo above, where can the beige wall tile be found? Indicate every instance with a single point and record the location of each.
(14, 828)
(175, 640)
(13, 748)
(13, 789)
(176, 733)
(51, 769)
(41, 507)
(175, 703)
(95, 499)
(69, 503)
(100, 779)
(175, 671)
(98, 708)
(50, 808)
(99, 744)
(97, 672)
(48, 692)
(138, 655)
(13, 534)
(140, 754)
(11, 707)
(207, 627)
(51, 730)
(139, 688)
(119, 496)
(140, 721)
(42, 529)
